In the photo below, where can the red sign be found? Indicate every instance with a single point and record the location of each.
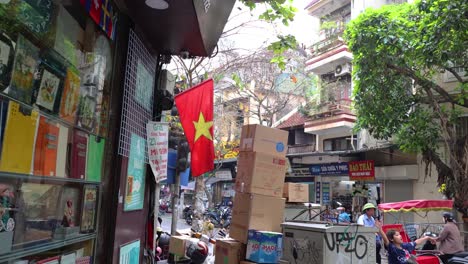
(361, 170)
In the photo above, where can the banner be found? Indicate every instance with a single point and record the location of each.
(330, 169)
(361, 170)
(158, 137)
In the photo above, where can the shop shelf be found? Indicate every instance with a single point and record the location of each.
(42, 179)
(54, 244)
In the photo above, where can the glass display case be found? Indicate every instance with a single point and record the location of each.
(55, 70)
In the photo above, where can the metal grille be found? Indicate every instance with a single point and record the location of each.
(137, 108)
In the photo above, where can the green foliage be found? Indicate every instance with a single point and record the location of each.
(277, 10)
(398, 52)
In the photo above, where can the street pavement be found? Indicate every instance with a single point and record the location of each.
(167, 221)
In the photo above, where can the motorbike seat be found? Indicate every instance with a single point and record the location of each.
(461, 254)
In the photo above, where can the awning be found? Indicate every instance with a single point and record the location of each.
(417, 206)
(190, 186)
(185, 26)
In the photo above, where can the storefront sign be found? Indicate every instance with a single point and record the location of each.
(158, 134)
(224, 174)
(130, 253)
(325, 193)
(135, 186)
(317, 192)
(330, 169)
(362, 170)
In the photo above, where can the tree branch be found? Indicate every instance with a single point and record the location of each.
(426, 83)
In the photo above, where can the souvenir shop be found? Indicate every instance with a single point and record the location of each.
(79, 80)
(55, 71)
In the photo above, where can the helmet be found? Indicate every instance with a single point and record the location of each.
(368, 206)
(447, 215)
(164, 240)
(197, 252)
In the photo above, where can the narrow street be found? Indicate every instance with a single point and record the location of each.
(166, 223)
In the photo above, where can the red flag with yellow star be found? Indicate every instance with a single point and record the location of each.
(195, 108)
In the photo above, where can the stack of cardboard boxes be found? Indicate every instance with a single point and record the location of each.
(258, 204)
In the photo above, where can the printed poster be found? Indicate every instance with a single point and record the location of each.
(24, 68)
(158, 136)
(130, 253)
(18, 141)
(48, 90)
(144, 86)
(88, 216)
(135, 186)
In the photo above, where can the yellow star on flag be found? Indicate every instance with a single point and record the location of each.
(202, 128)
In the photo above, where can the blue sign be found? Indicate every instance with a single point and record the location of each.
(330, 169)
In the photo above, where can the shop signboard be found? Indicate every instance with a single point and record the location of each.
(325, 193)
(158, 134)
(330, 169)
(224, 175)
(362, 170)
(135, 185)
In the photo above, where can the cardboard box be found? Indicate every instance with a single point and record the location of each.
(264, 246)
(264, 139)
(254, 211)
(296, 192)
(260, 173)
(177, 245)
(229, 251)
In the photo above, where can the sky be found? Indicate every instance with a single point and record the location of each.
(259, 33)
(256, 34)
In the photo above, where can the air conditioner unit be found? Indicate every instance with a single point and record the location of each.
(167, 81)
(343, 69)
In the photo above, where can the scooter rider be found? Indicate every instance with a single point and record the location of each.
(449, 238)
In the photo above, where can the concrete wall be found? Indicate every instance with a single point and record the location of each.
(397, 191)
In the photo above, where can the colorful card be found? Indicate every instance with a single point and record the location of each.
(18, 142)
(45, 155)
(48, 89)
(86, 113)
(24, 69)
(62, 167)
(95, 158)
(7, 53)
(78, 157)
(70, 97)
(88, 214)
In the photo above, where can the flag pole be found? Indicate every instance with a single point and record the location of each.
(157, 190)
(175, 202)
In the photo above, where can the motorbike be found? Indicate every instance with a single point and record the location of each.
(459, 258)
(188, 214)
(164, 207)
(220, 216)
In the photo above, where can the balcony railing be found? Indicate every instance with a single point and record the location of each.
(331, 108)
(301, 148)
(330, 43)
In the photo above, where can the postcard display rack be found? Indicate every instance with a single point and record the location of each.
(54, 82)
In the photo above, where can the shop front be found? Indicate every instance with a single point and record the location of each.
(74, 187)
(55, 84)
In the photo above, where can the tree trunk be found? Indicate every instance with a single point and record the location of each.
(199, 207)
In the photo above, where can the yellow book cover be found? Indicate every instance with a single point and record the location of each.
(18, 143)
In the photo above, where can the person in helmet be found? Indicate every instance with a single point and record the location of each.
(449, 239)
(367, 219)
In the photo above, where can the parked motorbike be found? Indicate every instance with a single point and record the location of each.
(164, 207)
(188, 214)
(459, 258)
(220, 216)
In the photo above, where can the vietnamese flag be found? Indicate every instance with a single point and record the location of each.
(195, 108)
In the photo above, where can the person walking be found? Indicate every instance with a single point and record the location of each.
(449, 239)
(367, 219)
